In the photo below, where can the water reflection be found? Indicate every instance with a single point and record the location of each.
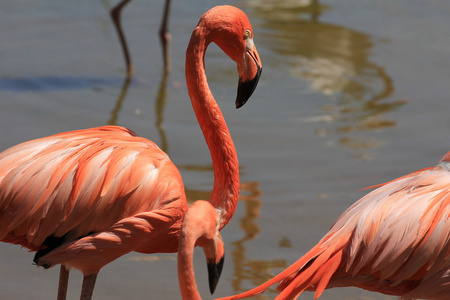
(164, 35)
(245, 269)
(161, 98)
(335, 61)
(55, 83)
(119, 101)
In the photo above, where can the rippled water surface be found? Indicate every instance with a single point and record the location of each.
(353, 93)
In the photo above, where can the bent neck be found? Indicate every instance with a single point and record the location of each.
(225, 192)
(186, 276)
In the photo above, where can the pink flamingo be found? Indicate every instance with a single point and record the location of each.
(84, 198)
(395, 241)
(200, 227)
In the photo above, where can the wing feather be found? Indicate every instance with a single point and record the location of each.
(400, 228)
(75, 183)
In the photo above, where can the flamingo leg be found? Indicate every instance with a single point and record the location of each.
(88, 287)
(63, 281)
(115, 15)
(164, 36)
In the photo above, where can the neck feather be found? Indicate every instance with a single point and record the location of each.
(186, 276)
(223, 153)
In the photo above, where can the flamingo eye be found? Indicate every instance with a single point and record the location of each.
(247, 34)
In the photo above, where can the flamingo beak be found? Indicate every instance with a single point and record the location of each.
(214, 271)
(249, 72)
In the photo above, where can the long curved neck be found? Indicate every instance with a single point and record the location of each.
(223, 153)
(186, 276)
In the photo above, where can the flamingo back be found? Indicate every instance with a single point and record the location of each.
(76, 183)
(393, 241)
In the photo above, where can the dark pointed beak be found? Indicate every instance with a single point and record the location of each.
(214, 271)
(249, 78)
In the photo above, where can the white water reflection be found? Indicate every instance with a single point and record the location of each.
(335, 61)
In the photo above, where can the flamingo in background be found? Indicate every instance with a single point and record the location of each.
(164, 34)
(395, 241)
(200, 227)
(84, 198)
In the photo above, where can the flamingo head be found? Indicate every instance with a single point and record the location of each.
(211, 242)
(231, 30)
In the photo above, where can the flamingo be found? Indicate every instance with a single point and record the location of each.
(200, 227)
(164, 34)
(395, 241)
(83, 198)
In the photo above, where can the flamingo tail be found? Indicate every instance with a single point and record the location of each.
(313, 271)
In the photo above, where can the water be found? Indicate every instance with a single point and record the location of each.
(353, 93)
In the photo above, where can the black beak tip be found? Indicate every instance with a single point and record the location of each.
(239, 104)
(214, 271)
(246, 89)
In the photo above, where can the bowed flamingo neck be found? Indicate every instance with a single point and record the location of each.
(225, 163)
(199, 228)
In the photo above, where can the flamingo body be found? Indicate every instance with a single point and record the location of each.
(65, 187)
(395, 241)
(84, 198)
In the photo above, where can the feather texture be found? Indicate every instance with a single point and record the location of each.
(394, 240)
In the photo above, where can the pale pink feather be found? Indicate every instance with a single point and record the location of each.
(395, 240)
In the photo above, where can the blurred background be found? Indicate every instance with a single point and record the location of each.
(352, 94)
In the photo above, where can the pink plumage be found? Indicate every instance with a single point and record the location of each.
(395, 241)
